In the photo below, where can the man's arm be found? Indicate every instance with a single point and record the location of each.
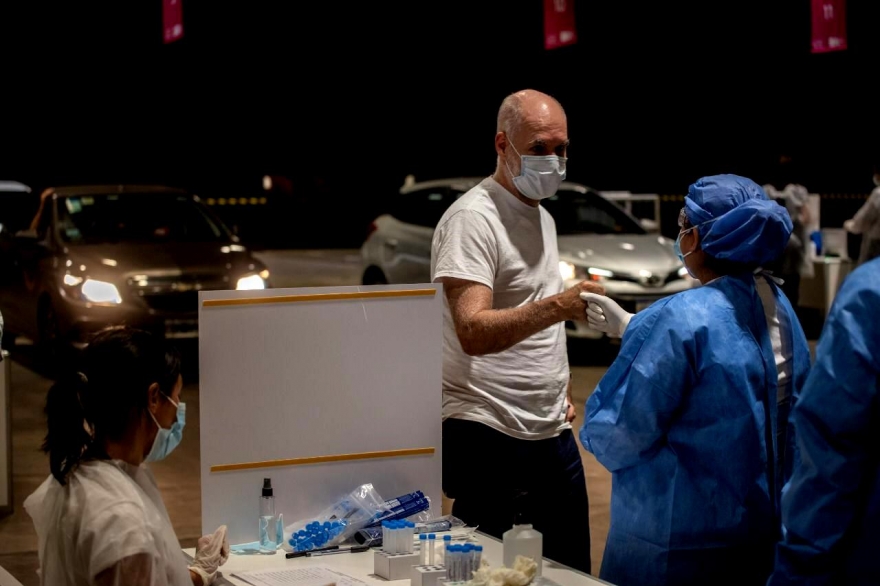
(483, 330)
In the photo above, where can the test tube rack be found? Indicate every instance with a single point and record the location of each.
(427, 575)
(395, 566)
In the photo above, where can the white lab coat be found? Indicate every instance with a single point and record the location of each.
(867, 223)
(108, 512)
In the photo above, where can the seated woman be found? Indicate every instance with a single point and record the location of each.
(691, 419)
(99, 517)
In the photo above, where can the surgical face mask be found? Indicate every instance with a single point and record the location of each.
(677, 247)
(539, 177)
(167, 439)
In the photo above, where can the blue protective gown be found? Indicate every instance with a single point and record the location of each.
(831, 509)
(686, 419)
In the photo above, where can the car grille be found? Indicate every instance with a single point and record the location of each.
(653, 281)
(174, 294)
(187, 302)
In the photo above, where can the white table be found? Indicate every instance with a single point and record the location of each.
(360, 565)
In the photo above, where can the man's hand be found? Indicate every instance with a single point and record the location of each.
(574, 307)
(570, 413)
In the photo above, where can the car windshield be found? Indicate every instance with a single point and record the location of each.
(135, 217)
(588, 213)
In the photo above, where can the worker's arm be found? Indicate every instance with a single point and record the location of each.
(44, 197)
(483, 330)
(867, 216)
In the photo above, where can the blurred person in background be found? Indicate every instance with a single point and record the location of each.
(99, 517)
(795, 262)
(831, 507)
(691, 418)
(866, 222)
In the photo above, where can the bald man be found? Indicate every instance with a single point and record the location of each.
(508, 450)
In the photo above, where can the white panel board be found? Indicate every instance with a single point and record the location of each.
(303, 379)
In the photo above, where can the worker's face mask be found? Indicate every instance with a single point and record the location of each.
(677, 245)
(167, 439)
(539, 177)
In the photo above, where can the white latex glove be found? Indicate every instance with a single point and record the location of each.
(849, 225)
(212, 551)
(606, 315)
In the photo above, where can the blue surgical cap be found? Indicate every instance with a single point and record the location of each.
(744, 225)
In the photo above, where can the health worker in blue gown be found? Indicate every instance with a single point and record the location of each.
(831, 508)
(691, 417)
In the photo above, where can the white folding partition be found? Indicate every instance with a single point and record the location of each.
(321, 390)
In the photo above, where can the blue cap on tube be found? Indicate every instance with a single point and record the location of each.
(447, 538)
(478, 548)
(432, 536)
(423, 537)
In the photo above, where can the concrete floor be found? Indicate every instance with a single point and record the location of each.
(178, 476)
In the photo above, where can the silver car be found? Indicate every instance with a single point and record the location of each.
(597, 240)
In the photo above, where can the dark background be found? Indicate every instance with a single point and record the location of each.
(359, 94)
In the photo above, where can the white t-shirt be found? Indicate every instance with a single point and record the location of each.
(779, 328)
(491, 237)
(107, 511)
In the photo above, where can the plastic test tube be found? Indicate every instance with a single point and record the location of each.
(423, 550)
(398, 537)
(410, 532)
(478, 557)
(432, 541)
(447, 540)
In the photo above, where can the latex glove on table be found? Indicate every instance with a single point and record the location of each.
(212, 551)
(605, 315)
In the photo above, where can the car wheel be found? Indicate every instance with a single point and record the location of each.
(374, 276)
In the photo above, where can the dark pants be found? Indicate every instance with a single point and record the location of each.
(484, 470)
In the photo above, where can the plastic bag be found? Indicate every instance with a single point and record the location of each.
(337, 523)
(414, 507)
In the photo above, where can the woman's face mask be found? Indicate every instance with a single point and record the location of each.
(539, 177)
(167, 439)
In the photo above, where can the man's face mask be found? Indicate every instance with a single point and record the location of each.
(167, 439)
(539, 177)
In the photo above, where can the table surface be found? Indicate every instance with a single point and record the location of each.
(360, 565)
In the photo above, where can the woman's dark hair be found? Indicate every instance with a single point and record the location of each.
(105, 396)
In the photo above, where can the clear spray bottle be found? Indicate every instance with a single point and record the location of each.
(268, 519)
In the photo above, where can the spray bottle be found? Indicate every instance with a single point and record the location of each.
(268, 519)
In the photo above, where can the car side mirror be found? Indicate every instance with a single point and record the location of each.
(649, 225)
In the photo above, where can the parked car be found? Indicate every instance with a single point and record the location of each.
(597, 240)
(122, 254)
(17, 207)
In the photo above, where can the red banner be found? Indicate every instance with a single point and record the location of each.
(559, 28)
(829, 25)
(172, 20)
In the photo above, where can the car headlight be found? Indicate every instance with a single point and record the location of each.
(598, 275)
(567, 270)
(250, 283)
(100, 292)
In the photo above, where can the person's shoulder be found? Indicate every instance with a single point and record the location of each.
(103, 483)
(691, 304)
(475, 204)
(862, 288)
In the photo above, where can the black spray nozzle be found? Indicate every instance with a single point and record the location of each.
(267, 487)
